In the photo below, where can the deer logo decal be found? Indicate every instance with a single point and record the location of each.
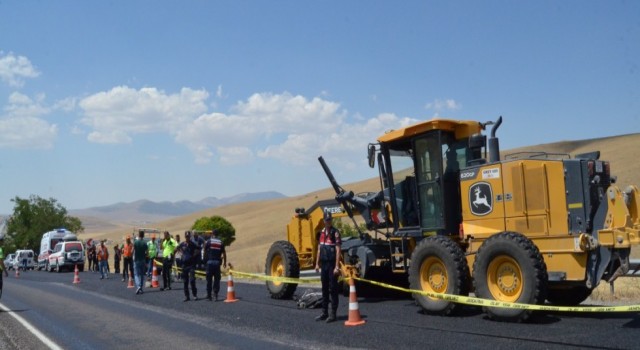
(481, 199)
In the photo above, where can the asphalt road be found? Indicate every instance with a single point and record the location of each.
(104, 314)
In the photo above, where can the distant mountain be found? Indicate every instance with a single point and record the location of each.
(146, 212)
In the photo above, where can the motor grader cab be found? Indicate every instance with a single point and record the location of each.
(458, 219)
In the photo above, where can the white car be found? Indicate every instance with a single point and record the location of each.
(8, 261)
(66, 255)
(24, 256)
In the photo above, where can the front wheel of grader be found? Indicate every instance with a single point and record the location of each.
(510, 268)
(282, 261)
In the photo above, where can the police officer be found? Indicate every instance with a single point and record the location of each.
(328, 262)
(189, 249)
(215, 256)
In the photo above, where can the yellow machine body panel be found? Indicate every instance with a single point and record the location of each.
(524, 196)
(303, 227)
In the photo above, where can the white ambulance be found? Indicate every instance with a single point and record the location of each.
(49, 241)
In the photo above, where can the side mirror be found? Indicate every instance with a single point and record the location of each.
(370, 155)
(477, 141)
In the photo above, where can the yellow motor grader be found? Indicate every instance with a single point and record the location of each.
(454, 218)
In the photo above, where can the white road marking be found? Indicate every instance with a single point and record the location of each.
(43, 338)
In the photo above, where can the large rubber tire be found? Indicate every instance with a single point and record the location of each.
(569, 296)
(438, 265)
(510, 268)
(282, 261)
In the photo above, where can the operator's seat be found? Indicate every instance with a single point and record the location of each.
(409, 203)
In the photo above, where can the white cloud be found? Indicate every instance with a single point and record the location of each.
(117, 114)
(27, 133)
(346, 143)
(14, 69)
(292, 129)
(21, 125)
(261, 119)
(220, 93)
(443, 105)
(235, 155)
(21, 105)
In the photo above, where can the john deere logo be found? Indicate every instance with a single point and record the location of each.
(480, 199)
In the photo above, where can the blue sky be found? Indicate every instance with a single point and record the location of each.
(115, 101)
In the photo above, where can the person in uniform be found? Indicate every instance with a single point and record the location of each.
(328, 262)
(215, 256)
(189, 249)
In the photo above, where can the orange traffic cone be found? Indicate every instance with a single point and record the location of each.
(76, 276)
(130, 285)
(17, 272)
(231, 293)
(354, 313)
(154, 276)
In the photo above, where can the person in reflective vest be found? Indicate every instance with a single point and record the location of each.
(215, 256)
(2, 267)
(127, 259)
(103, 259)
(328, 262)
(152, 249)
(169, 245)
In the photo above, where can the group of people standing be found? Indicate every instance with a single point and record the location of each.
(193, 253)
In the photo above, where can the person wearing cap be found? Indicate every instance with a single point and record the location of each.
(215, 256)
(152, 248)
(127, 259)
(328, 262)
(169, 245)
(189, 249)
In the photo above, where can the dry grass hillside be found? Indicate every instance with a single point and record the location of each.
(259, 224)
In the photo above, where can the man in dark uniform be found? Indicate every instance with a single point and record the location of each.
(189, 249)
(215, 256)
(328, 262)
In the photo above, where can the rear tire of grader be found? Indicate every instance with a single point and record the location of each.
(438, 265)
(510, 268)
(282, 261)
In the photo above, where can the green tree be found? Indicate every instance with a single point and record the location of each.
(347, 229)
(34, 216)
(226, 231)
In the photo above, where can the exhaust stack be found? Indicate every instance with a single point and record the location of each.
(494, 144)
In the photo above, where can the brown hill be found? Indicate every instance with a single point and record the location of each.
(259, 224)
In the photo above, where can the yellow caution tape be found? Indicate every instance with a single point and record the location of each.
(448, 297)
(501, 304)
(275, 278)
